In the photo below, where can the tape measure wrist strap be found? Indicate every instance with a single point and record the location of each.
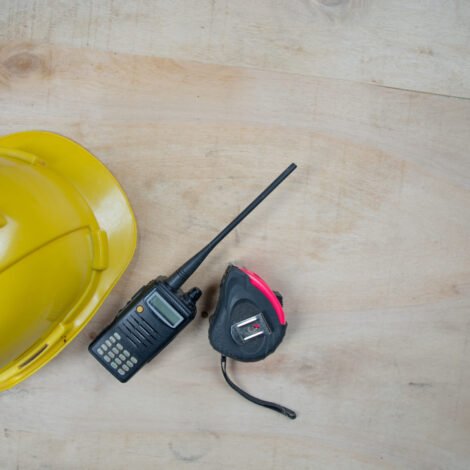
(267, 404)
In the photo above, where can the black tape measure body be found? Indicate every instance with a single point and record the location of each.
(248, 324)
(245, 325)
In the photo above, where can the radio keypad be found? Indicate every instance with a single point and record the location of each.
(116, 355)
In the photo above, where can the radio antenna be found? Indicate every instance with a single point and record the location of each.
(179, 277)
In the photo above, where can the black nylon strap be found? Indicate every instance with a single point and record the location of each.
(267, 404)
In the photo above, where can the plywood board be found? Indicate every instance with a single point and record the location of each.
(368, 241)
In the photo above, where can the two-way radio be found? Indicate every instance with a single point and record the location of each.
(158, 311)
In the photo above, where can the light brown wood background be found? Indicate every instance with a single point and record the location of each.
(195, 106)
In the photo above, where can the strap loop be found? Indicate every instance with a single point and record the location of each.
(267, 404)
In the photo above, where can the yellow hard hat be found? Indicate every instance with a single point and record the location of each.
(67, 233)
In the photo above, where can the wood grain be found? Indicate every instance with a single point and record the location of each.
(419, 45)
(368, 240)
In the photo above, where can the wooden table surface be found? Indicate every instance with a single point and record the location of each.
(195, 106)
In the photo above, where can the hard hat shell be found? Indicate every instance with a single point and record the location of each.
(67, 233)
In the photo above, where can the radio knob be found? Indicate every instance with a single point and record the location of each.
(193, 295)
